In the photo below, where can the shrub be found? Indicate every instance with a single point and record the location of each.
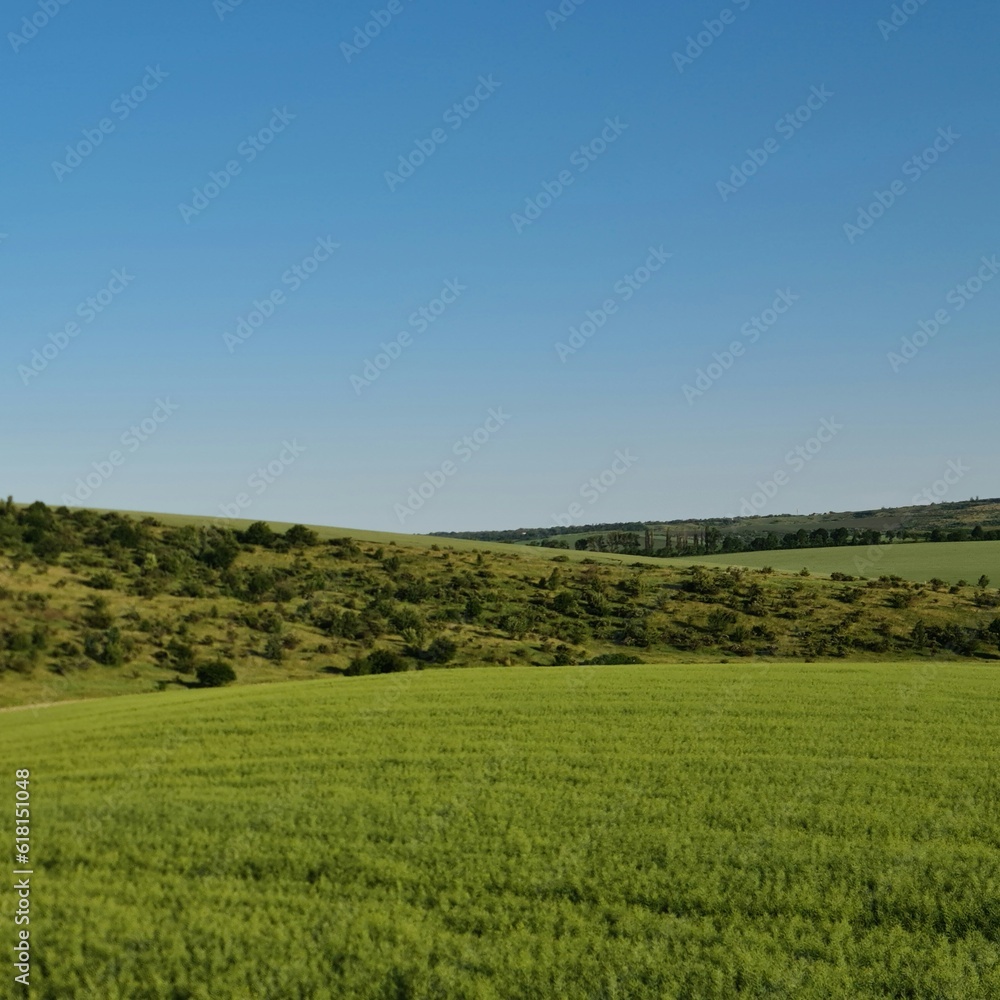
(299, 534)
(99, 615)
(183, 656)
(441, 650)
(613, 659)
(216, 674)
(381, 661)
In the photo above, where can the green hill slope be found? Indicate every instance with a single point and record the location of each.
(99, 603)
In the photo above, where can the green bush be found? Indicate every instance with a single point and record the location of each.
(381, 661)
(215, 674)
(441, 650)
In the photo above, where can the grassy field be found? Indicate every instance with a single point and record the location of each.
(949, 561)
(800, 831)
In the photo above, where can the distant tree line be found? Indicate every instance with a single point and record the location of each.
(538, 534)
(711, 541)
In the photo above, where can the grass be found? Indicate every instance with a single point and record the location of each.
(918, 561)
(418, 542)
(689, 832)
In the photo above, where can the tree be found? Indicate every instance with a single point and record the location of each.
(993, 629)
(259, 533)
(215, 674)
(984, 582)
(218, 549)
(299, 534)
(183, 656)
(381, 661)
(441, 650)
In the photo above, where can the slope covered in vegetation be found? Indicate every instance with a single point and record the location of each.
(95, 603)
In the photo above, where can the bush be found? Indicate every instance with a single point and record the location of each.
(381, 661)
(182, 655)
(441, 650)
(613, 659)
(216, 674)
(99, 615)
(299, 534)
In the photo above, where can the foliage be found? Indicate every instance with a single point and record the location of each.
(218, 673)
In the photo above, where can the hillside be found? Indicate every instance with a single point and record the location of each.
(98, 603)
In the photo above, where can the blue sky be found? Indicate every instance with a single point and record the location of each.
(582, 150)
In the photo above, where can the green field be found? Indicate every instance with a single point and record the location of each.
(755, 830)
(919, 561)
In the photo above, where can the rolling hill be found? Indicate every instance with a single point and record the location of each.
(95, 603)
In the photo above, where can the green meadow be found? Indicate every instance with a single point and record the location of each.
(916, 561)
(697, 832)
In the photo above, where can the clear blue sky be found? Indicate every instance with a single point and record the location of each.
(205, 78)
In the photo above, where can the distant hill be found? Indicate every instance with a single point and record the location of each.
(966, 520)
